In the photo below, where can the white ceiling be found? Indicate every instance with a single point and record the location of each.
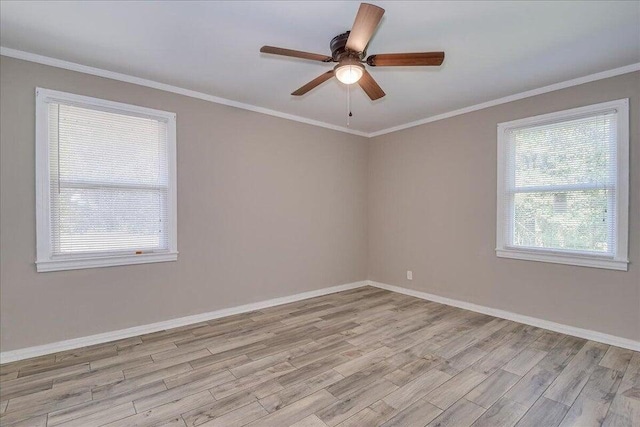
(493, 49)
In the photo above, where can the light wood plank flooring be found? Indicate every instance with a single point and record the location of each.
(365, 357)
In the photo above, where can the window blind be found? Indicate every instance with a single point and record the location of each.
(561, 185)
(109, 184)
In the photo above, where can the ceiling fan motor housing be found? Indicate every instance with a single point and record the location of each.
(339, 50)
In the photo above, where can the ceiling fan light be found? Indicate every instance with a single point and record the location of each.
(349, 73)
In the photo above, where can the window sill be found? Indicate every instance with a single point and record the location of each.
(104, 261)
(564, 258)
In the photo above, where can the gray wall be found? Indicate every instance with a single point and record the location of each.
(266, 208)
(269, 207)
(432, 210)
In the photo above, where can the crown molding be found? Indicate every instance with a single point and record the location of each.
(515, 97)
(58, 63)
(72, 66)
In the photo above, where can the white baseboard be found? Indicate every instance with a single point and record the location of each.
(41, 350)
(520, 318)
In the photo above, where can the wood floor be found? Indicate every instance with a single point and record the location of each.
(364, 357)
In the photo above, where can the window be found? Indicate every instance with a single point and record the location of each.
(106, 183)
(563, 187)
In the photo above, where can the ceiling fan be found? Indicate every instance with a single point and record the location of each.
(349, 50)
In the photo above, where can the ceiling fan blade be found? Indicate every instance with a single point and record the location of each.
(406, 59)
(366, 22)
(295, 53)
(369, 85)
(313, 83)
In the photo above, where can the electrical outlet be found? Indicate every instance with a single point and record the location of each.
(409, 275)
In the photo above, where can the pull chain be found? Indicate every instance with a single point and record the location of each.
(349, 105)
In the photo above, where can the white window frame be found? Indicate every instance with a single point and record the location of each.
(619, 261)
(45, 261)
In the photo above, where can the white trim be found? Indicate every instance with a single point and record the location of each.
(515, 97)
(49, 95)
(520, 318)
(103, 261)
(618, 260)
(58, 63)
(40, 350)
(45, 261)
(559, 258)
(570, 114)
